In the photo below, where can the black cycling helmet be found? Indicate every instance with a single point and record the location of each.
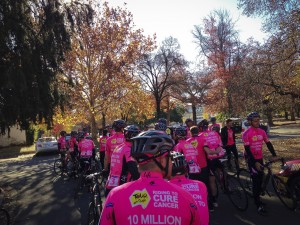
(203, 124)
(160, 126)
(252, 115)
(73, 133)
(188, 120)
(130, 132)
(80, 134)
(150, 145)
(194, 131)
(118, 125)
(180, 132)
(213, 119)
(62, 133)
(179, 164)
(216, 128)
(162, 120)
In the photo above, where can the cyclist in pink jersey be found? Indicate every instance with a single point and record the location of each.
(214, 151)
(214, 124)
(73, 144)
(196, 188)
(102, 140)
(62, 143)
(123, 167)
(86, 147)
(189, 123)
(150, 199)
(253, 139)
(113, 142)
(189, 151)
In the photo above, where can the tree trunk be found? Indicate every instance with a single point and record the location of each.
(293, 109)
(269, 117)
(103, 121)
(194, 113)
(286, 115)
(94, 128)
(157, 108)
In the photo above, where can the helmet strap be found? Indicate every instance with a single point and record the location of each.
(166, 169)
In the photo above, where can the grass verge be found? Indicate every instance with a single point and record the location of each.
(16, 151)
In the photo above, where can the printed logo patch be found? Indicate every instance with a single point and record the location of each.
(194, 143)
(141, 198)
(113, 141)
(254, 138)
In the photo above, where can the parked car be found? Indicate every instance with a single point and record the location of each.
(46, 144)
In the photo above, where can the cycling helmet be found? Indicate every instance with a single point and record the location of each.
(180, 132)
(194, 130)
(160, 126)
(252, 115)
(130, 132)
(80, 134)
(162, 120)
(203, 124)
(179, 164)
(62, 133)
(188, 120)
(118, 125)
(73, 133)
(213, 119)
(150, 145)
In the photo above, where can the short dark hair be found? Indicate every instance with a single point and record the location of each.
(228, 120)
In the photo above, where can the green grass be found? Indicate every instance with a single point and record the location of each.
(15, 151)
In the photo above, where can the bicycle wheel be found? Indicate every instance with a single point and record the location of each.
(58, 167)
(283, 192)
(236, 193)
(70, 168)
(4, 217)
(93, 217)
(245, 179)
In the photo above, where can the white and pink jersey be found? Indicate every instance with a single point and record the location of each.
(63, 143)
(85, 147)
(212, 141)
(149, 200)
(198, 144)
(114, 141)
(119, 156)
(254, 137)
(102, 141)
(199, 192)
(190, 154)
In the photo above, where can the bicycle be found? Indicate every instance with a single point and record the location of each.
(4, 215)
(231, 187)
(281, 189)
(97, 190)
(62, 165)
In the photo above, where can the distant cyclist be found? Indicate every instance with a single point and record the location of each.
(62, 143)
(214, 125)
(189, 152)
(253, 139)
(113, 142)
(86, 149)
(196, 188)
(73, 144)
(102, 141)
(189, 123)
(123, 167)
(150, 199)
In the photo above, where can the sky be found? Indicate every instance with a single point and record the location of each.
(177, 18)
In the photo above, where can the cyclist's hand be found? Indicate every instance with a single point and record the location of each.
(258, 166)
(105, 173)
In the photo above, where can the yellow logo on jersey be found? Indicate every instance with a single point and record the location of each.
(194, 143)
(168, 131)
(205, 134)
(103, 141)
(141, 198)
(114, 141)
(254, 138)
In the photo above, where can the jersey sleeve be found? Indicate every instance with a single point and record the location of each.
(265, 136)
(107, 215)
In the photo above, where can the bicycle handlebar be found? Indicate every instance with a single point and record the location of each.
(267, 164)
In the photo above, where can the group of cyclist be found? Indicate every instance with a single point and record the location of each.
(161, 177)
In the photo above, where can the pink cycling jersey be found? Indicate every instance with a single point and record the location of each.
(72, 143)
(254, 137)
(102, 141)
(212, 141)
(149, 200)
(85, 147)
(198, 144)
(113, 141)
(120, 155)
(188, 133)
(190, 154)
(199, 192)
(63, 143)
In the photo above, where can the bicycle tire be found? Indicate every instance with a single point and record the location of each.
(236, 193)
(70, 168)
(245, 179)
(58, 167)
(283, 193)
(93, 217)
(4, 217)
